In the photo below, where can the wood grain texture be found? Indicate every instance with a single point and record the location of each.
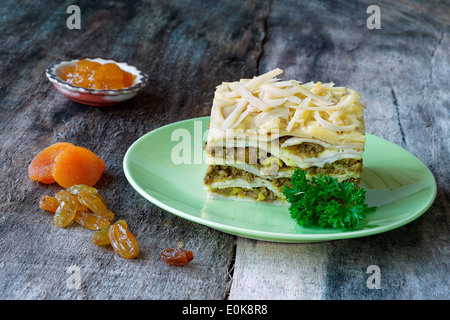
(402, 72)
(185, 52)
(187, 48)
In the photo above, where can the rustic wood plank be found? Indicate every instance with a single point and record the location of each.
(186, 47)
(275, 271)
(402, 73)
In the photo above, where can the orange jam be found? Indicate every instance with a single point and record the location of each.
(93, 75)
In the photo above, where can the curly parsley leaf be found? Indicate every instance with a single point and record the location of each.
(325, 202)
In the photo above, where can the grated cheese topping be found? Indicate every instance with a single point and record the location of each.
(312, 110)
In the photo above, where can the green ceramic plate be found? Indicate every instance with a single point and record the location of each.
(166, 167)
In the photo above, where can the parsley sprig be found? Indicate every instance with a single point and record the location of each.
(325, 202)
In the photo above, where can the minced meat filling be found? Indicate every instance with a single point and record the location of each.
(223, 173)
(258, 194)
(338, 167)
(308, 149)
(217, 173)
(252, 155)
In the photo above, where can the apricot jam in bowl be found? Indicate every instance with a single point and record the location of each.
(96, 81)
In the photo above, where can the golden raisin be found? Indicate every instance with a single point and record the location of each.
(177, 256)
(90, 220)
(73, 204)
(123, 241)
(51, 204)
(96, 204)
(81, 188)
(48, 203)
(65, 213)
(101, 238)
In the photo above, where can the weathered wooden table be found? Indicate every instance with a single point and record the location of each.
(187, 48)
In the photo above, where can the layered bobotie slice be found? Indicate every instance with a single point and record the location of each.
(263, 129)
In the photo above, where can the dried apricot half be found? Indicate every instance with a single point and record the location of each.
(40, 168)
(77, 165)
